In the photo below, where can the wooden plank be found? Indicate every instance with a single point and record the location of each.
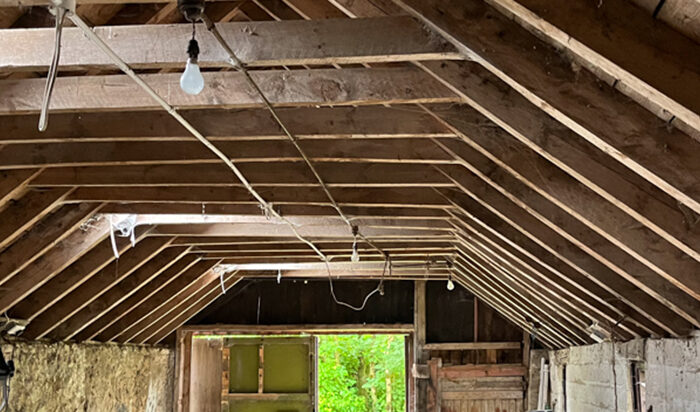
(523, 284)
(183, 355)
(505, 287)
(129, 325)
(206, 369)
(229, 89)
(482, 395)
(101, 323)
(42, 237)
(591, 208)
(409, 151)
(647, 61)
(283, 230)
(257, 44)
(286, 210)
(588, 296)
(191, 310)
(420, 355)
(315, 329)
(542, 242)
(87, 262)
(595, 218)
(370, 197)
(188, 305)
(679, 14)
(596, 112)
(262, 174)
(26, 3)
(27, 211)
(94, 287)
(652, 282)
(119, 292)
(220, 124)
(478, 371)
(472, 345)
(13, 182)
(51, 264)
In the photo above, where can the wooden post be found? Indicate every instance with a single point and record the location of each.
(183, 355)
(420, 355)
(225, 375)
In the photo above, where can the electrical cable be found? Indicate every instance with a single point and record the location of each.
(53, 69)
(267, 207)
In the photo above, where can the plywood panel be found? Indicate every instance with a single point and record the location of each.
(205, 381)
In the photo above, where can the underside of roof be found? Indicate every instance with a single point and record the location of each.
(545, 155)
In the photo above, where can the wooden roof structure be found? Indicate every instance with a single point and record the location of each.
(544, 154)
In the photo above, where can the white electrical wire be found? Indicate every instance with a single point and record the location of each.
(90, 34)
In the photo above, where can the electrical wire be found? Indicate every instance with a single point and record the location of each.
(53, 70)
(267, 207)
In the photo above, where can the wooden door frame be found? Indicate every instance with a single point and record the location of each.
(186, 333)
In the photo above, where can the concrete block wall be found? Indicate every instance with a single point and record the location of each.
(598, 377)
(90, 377)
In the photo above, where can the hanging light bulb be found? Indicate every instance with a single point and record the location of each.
(191, 81)
(355, 254)
(450, 284)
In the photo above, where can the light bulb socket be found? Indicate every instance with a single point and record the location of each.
(193, 50)
(192, 10)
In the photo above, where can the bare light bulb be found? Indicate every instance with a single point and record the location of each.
(450, 284)
(192, 81)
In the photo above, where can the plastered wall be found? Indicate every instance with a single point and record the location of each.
(91, 377)
(583, 378)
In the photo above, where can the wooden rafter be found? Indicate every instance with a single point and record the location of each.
(346, 41)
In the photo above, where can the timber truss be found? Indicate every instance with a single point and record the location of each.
(543, 154)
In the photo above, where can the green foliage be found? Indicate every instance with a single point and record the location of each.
(355, 372)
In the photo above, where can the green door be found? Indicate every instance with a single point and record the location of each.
(270, 374)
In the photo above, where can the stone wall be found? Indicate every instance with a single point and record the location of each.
(584, 379)
(91, 377)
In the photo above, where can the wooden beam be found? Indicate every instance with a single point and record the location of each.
(553, 243)
(315, 329)
(508, 294)
(27, 3)
(566, 321)
(610, 256)
(187, 297)
(513, 314)
(283, 230)
(410, 151)
(87, 262)
(647, 61)
(130, 324)
(482, 371)
(99, 324)
(597, 112)
(42, 237)
(220, 124)
(373, 197)
(472, 346)
(285, 210)
(591, 207)
(259, 174)
(597, 219)
(257, 44)
(228, 89)
(421, 356)
(119, 292)
(94, 287)
(26, 211)
(589, 298)
(170, 324)
(13, 183)
(51, 264)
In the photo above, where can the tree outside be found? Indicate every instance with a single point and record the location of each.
(362, 373)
